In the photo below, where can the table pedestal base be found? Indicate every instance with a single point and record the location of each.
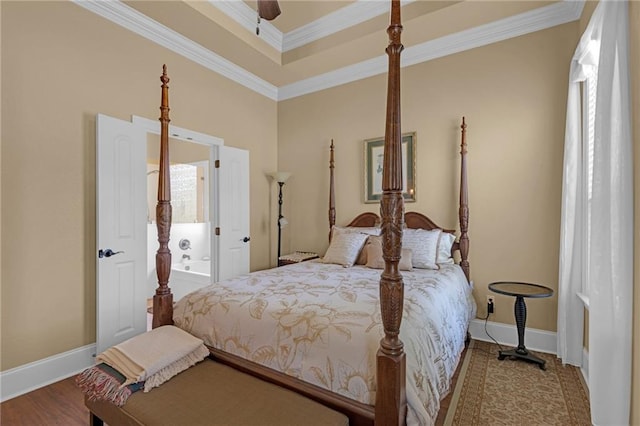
(522, 353)
(520, 291)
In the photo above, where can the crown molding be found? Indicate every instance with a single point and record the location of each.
(343, 18)
(240, 12)
(503, 29)
(129, 18)
(493, 32)
(514, 26)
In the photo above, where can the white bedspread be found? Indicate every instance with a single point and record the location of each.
(321, 323)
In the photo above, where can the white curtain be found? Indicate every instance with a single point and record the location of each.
(573, 262)
(611, 257)
(610, 261)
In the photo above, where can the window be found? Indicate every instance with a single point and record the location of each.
(589, 90)
(189, 189)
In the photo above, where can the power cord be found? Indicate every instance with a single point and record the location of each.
(486, 319)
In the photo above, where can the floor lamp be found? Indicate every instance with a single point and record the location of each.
(281, 178)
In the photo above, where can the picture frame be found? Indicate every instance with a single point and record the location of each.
(373, 161)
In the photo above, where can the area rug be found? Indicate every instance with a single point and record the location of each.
(515, 392)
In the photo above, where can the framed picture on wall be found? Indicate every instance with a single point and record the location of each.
(373, 161)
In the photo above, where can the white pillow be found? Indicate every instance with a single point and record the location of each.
(444, 247)
(344, 248)
(362, 257)
(423, 245)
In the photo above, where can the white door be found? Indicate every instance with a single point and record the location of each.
(121, 227)
(233, 190)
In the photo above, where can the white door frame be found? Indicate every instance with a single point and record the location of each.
(153, 126)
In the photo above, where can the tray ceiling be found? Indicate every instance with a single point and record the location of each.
(317, 44)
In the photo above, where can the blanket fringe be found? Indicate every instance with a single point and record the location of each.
(98, 385)
(176, 367)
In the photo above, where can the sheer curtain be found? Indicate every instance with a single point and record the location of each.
(573, 231)
(572, 223)
(609, 264)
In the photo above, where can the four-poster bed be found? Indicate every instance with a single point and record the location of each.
(388, 383)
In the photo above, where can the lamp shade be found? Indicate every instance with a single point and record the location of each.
(280, 176)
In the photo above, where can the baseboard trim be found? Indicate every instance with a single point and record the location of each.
(506, 334)
(26, 378)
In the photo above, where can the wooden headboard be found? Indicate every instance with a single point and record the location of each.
(413, 220)
(416, 220)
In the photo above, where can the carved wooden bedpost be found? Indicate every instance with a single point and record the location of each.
(463, 212)
(332, 193)
(391, 403)
(163, 299)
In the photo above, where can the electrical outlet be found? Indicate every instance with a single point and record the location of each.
(490, 304)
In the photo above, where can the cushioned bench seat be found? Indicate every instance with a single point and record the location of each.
(211, 393)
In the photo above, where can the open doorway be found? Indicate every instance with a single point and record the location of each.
(123, 212)
(193, 261)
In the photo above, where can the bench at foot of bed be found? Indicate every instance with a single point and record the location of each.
(211, 393)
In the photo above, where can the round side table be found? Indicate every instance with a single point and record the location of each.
(520, 291)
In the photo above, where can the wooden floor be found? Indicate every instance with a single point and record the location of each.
(61, 403)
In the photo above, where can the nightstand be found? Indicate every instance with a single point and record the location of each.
(296, 257)
(520, 291)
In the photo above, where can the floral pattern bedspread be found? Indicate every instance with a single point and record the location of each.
(321, 323)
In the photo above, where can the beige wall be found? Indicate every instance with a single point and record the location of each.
(513, 94)
(587, 11)
(634, 20)
(61, 66)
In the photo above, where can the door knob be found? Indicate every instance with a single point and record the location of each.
(108, 253)
(246, 239)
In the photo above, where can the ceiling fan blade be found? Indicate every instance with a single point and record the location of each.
(268, 9)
